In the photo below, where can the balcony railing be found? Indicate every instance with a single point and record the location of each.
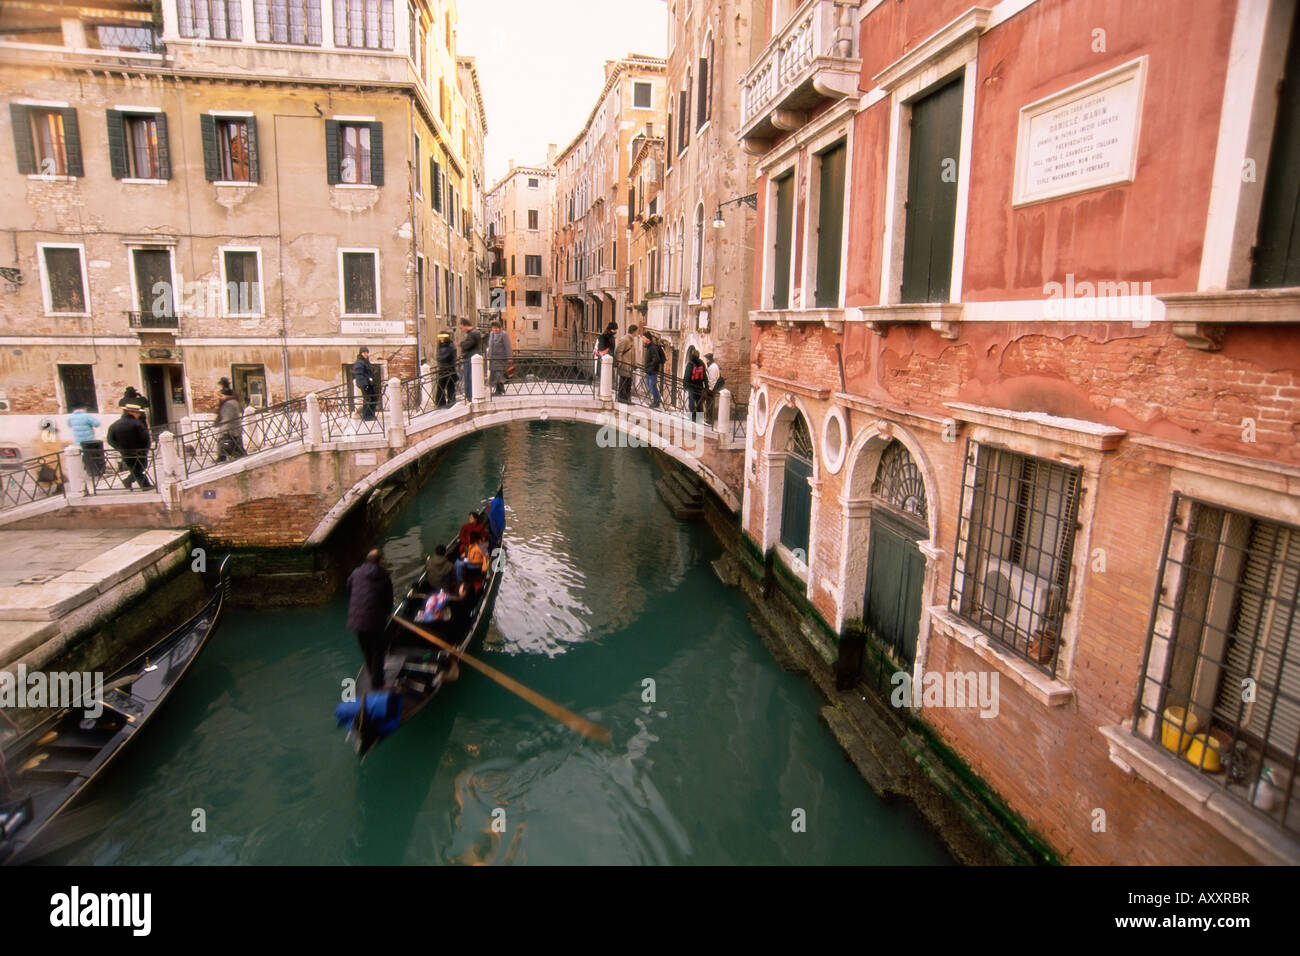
(809, 61)
(664, 312)
(153, 320)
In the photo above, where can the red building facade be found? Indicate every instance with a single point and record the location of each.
(1026, 392)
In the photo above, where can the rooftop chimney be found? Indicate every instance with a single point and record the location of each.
(550, 154)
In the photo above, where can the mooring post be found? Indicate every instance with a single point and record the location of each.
(315, 430)
(426, 386)
(168, 466)
(724, 415)
(395, 413)
(479, 390)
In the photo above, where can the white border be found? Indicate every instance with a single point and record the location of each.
(225, 291)
(379, 302)
(45, 278)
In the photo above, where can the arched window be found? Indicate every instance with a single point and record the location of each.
(697, 260)
(898, 483)
(704, 83)
(796, 503)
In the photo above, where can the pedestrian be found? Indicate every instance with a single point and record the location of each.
(498, 350)
(714, 383)
(625, 363)
(230, 439)
(370, 602)
(446, 358)
(363, 376)
(605, 344)
(695, 379)
(129, 435)
(471, 344)
(135, 398)
(652, 364)
(83, 426)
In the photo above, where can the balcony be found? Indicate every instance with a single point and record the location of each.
(809, 62)
(663, 312)
(574, 289)
(605, 280)
(153, 321)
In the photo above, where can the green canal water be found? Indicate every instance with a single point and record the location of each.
(604, 592)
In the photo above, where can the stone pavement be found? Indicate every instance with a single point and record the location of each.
(56, 583)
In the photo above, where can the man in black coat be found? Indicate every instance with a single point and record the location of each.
(471, 344)
(129, 435)
(363, 375)
(370, 602)
(446, 358)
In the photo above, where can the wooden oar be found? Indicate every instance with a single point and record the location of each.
(565, 716)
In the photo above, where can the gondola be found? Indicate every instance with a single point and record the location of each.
(45, 768)
(415, 669)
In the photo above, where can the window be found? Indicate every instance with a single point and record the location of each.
(435, 185)
(210, 19)
(360, 282)
(532, 265)
(534, 325)
(512, 265)
(830, 226)
(243, 282)
(532, 299)
(229, 148)
(78, 383)
(532, 183)
(697, 266)
(364, 23)
(932, 195)
(532, 219)
(419, 286)
(415, 163)
(63, 279)
(152, 271)
(1015, 543)
(796, 494)
(46, 141)
(641, 96)
(437, 287)
(287, 21)
(354, 153)
(1277, 248)
(512, 296)
(1224, 644)
(704, 98)
(249, 384)
(683, 117)
(782, 247)
(137, 145)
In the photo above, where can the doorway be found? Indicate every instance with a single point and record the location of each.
(164, 387)
(895, 572)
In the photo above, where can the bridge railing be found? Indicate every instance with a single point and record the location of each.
(209, 443)
(343, 414)
(552, 373)
(739, 420)
(33, 479)
(112, 470)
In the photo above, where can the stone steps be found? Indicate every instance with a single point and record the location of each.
(682, 494)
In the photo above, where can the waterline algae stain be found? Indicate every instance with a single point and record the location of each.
(604, 596)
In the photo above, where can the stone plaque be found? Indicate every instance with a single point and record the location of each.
(372, 327)
(365, 458)
(1082, 138)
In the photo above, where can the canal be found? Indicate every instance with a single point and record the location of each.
(608, 606)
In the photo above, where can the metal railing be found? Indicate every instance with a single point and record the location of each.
(111, 470)
(551, 373)
(34, 479)
(739, 421)
(212, 443)
(345, 413)
(154, 320)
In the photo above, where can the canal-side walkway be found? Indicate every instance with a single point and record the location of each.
(55, 584)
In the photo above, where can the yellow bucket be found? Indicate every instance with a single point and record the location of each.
(1176, 730)
(1204, 752)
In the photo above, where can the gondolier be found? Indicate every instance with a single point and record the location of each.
(370, 601)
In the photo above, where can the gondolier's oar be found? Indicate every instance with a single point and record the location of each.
(565, 716)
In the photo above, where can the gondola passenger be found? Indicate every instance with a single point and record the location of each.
(438, 568)
(475, 527)
(475, 563)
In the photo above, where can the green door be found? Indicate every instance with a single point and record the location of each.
(895, 569)
(932, 195)
(796, 505)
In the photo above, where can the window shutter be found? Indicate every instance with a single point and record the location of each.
(377, 154)
(702, 94)
(332, 152)
(436, 188)
(433, 182)
(208, 133)
(164, 151)
(72, 142)
(254, 170)
(22, 139)
(116, 145)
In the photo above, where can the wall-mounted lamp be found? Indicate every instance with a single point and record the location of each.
(751, 201)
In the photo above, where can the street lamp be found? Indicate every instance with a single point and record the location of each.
(751, 201)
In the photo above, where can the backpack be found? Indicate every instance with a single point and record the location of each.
(721, 382)
(661, 355)
(698, 373)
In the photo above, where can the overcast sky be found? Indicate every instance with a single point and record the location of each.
(541, 65)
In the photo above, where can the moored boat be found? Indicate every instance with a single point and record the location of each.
(415, 670)
(47, 767)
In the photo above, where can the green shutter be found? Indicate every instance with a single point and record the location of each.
(436, 188)
(72, 142)
(932, 195)
(830, 227)
(332, 152)
(796, 505)
(1277, 248)
(784, 224)
(23, 147)
(211, 161)
(116, 144)
(254, 169)
(164, 149)
(377, 154)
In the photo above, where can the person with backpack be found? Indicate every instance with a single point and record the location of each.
(695, 379)
(652, 365)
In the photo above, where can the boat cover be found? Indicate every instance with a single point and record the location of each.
(382, 709)
(496, 517)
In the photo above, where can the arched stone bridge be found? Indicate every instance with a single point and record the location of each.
(311, 460)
